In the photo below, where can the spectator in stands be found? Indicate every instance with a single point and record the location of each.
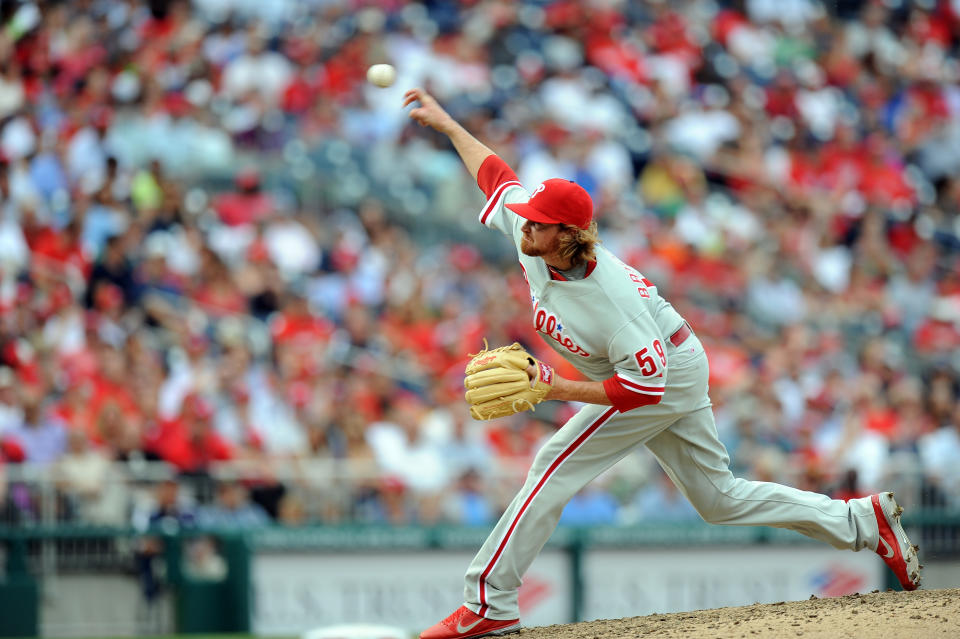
(86, 478)
(465, 446)
(159, 289)
(292, 510)
(403, 451)
(193, 369)
(41, 436)
(3, 485)
(112, 267)
(202, 560)
(939, 452)
(169, 512)
(189, 441)
(232, 509)
(592, 506)
(111, 405)
(468, 504)
(11, 412)
(660, 501)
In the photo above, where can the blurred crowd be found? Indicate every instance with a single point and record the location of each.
(222, 250)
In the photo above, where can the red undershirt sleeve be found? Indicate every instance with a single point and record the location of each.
(626, 395)
(493, 173)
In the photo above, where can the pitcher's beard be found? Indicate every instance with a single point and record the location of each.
(527, 248)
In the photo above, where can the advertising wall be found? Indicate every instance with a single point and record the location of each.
(294, 592)
(412, 589)
(629, 583)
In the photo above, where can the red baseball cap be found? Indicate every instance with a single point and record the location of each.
(557, 201)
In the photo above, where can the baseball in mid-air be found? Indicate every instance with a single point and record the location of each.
(382, 75)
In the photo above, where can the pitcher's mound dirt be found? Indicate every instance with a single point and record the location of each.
(878, 615)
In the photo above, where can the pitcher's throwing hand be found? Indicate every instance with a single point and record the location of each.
(429, 113)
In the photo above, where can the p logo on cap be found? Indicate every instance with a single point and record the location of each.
(557, 201)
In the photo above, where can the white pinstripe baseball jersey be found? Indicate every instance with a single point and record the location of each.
(612, 325)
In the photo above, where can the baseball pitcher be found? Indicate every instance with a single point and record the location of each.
(649, 387)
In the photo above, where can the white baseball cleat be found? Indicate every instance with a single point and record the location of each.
(894, 545)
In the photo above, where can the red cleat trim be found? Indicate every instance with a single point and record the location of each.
(894, 546)
(465, 624)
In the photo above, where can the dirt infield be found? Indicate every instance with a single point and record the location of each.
(878, 615)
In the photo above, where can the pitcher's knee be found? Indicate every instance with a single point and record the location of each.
(712, 514)
(718, 511)
(715, 506)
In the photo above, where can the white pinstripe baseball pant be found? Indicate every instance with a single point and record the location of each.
(681, 434)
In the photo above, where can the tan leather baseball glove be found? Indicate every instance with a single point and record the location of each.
(498, 385)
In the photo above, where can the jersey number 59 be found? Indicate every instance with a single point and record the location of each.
(648, 365)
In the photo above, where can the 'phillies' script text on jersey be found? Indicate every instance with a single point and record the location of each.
(547, 323)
